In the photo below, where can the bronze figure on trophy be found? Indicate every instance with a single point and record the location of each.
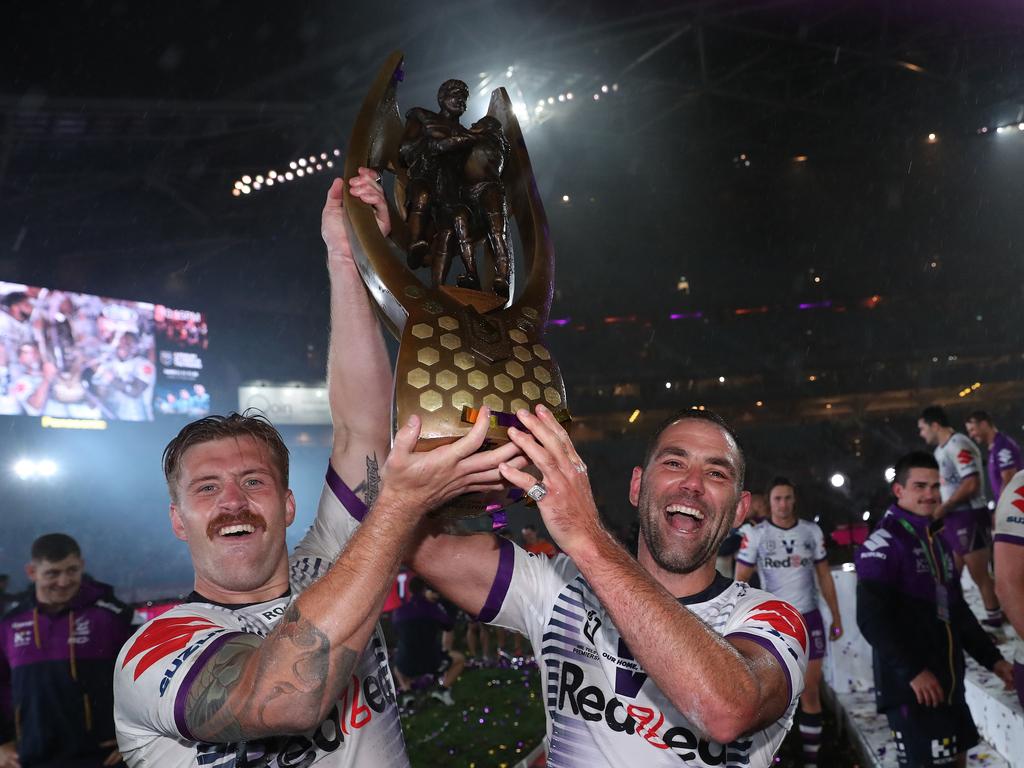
(456, 191)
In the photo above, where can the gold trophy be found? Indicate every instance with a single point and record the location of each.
(455, 190)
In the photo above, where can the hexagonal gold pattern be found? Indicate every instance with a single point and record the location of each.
(450, 341)
(446, 380)
(448, 323)
(464, 360)
(462, 398)
(422, 331)
(522, 353)
(541, 352)
(477, 379)
(502, 383)
(552, 396)
(517, 404)
(431, 400)
(531, 390)
(494, 402)
(418, 378)
(517, 336)
(428, 355)
(515, 370)
(540, 373)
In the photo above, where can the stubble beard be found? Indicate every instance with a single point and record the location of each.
(689, 560)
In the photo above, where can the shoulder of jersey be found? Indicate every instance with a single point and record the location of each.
(166, 635)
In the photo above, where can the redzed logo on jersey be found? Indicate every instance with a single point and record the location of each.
(965, 457)
(783, 617)
(162, 638)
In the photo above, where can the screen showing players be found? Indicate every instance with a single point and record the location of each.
(78, 356)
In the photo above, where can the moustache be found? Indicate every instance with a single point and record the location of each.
(243, 518)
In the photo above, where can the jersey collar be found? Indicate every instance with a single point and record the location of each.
(717, 587)
(195, 597)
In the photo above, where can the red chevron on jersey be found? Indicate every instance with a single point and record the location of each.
(783, 617)
(162, 638)
(1019, 503)
(964, 457)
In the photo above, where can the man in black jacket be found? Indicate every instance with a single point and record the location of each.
(912, 612)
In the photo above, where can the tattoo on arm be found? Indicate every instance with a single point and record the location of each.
(372, 479)
(290, 682)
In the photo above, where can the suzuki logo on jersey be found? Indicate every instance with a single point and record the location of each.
(592, 625)
(1019, 502)
(592, 704)
(784, 618)
(965, 457)
(180, 659)
(162, 638)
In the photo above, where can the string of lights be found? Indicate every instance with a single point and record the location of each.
(297, 169)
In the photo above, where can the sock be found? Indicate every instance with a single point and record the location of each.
(994, 614)
(810, 735)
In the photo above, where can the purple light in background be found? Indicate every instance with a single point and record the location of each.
(560, 321)
(816, 305)
(686, 315)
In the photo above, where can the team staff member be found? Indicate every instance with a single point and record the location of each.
(789, 553)
(1009, 566)
(275, 658)
(1004, 459)
(967, 529)
(57, 650)
(910, 609)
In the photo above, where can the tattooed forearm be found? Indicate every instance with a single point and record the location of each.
(288, 691)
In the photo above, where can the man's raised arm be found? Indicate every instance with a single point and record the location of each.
(358, 370)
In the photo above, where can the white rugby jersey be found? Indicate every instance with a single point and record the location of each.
(958, 458)
(602, 709)
(158, 665)
(785, 559)
(1010, 530)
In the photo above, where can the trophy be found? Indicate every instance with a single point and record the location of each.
(456, 191)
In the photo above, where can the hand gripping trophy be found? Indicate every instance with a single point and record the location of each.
(456, 191)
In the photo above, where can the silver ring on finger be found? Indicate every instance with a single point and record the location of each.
(537, 491)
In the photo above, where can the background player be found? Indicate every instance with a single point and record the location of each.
(1004, 460)
(1009, 566)
(968, 528)
(789, 553)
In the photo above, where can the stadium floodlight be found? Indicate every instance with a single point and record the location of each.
(890, 474)
(838, 480)
(25, 469)
(866, 516)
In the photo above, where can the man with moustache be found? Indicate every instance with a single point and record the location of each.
(650, 660)
(912, 612)
(276, 659)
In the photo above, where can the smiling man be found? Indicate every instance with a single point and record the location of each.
(650, 661)
(57, 651)
(912, 612)
(278, 659)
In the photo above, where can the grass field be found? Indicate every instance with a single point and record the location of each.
(498, 718)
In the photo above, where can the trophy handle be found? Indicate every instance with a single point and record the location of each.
(528, 213)
(374, 144)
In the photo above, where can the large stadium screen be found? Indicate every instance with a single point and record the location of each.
(66, 355)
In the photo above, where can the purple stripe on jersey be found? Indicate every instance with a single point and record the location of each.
(349, 500)
(502, 579)
(741, 560)
(190, 677)
(1009, 538)
(821, 559)
(765, 643)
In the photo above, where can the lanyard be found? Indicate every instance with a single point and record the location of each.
(933, 565)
